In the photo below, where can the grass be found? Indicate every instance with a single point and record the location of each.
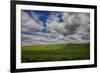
(55, 52)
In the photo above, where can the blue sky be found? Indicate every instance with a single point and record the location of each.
(43, 14)
(60, 26)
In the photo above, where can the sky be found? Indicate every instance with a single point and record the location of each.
(52, 27)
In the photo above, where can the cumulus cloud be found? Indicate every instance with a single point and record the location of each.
(76, 22)
(53, 24)
(28, 23)
(73, 27)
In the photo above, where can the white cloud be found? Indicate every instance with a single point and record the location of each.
(53, 24)
(75, 25)
(28, 23)
(42, 38)
(77, 22)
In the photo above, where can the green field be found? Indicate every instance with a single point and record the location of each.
(55, 52)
